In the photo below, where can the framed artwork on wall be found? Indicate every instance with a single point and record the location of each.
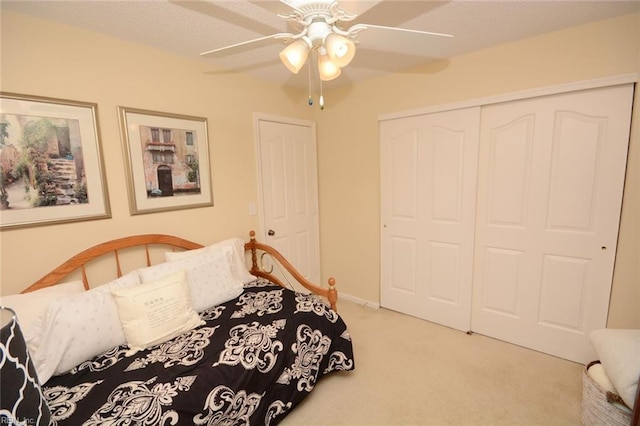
(51, 167)
(167, 160)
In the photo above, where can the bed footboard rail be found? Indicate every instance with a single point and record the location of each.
(258, 250)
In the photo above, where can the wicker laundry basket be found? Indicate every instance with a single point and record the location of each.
(598, 405)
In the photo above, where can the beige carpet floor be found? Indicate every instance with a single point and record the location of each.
(413, 372)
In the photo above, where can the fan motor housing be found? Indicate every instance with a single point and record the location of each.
(318, 31)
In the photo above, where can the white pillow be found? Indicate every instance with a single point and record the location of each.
(154, 312)
(619, 354)
(597, 373)
(238, 266)
(209, 276)
(77, 327)
(29, 306)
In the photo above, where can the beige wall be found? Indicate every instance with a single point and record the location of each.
(349, 152)
(47, 59)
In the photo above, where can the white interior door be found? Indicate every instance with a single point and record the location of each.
(288, 181)
(428, 189)
(550, 187)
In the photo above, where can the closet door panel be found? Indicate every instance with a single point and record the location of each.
(428, 180)
(503, 272)
(574, 171)
(549, 188)
(508, 170)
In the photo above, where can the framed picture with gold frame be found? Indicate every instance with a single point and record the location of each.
(167, 160)
(50, 162)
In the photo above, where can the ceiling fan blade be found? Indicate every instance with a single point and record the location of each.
(242, 47)
(396, 13)
(358, 7)
(262, 23)
(284, 7)
(277, 7)
(401, 40)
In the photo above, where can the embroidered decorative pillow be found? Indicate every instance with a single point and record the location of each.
(156, 311)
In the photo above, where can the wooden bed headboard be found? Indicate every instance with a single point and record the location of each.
(115, 247)
(80, 260)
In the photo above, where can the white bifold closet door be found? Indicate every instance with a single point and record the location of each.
(428, 189)
(503, 219)
(550, 185)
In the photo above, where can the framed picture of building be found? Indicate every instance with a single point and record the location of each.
(51, 168)
(167, 160)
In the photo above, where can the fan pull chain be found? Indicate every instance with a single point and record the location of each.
(310, 100)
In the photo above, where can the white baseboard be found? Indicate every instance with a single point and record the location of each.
(358, 300)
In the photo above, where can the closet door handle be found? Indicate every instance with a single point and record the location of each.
(271, 232)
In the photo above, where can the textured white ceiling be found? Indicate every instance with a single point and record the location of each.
(188, 28)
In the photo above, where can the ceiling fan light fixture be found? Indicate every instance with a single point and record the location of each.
(295, 55)
(327, 69)
(326, 31)
(340, 49)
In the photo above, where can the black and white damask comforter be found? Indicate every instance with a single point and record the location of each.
(255, 359)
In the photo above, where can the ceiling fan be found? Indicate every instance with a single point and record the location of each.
(323, 29)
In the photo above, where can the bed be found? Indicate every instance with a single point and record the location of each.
(247, 353)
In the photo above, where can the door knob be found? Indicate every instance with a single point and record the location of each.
(271, 232)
